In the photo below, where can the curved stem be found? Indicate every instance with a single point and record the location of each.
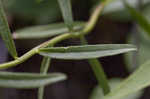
(34, 51)
(93, 19)
(18, 60)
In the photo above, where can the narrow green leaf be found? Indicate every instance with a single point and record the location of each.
(98, 71)
(5, 33)
(44, 69)
(28, 80)
(135, 82)
(45, 65)
(45, 30)
(66, 9)
(100, 75)
(139, 18)
(86, 51)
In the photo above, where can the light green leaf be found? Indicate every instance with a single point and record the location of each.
(6, 34)
(86, 51)
(98, 94)
(66, 9)
(45, 30)
(135, 82)
(28, 80)
(139, 18)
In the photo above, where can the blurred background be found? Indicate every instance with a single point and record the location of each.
(115, 26)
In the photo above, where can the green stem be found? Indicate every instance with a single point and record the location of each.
(34, 51)
(98, 71)
(93, 19)
(18, 60)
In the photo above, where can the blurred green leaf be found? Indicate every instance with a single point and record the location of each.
(6, 34)
(135, 82)
(135, 59)
(41, 13)
(143, 41)
(116, 10)
(86, 51)
(45, 31)
(28, 80)
(139, 18)
(66, 9)
(98, 94)
(38, 1)
(117, 5)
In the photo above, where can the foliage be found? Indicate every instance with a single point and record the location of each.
(70, 29)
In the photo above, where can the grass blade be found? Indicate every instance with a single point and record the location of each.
(66, 9)
(135, 82)
(86, 51)
(6, 34)
(45, 31)
(28, 80)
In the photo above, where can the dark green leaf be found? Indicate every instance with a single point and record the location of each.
(139, 18)
(100, 75)
(135, 82)
(46, 30)
(86, 51)
(65, 6)
(38, 1)
(27, 80)
(5, 32)
(41, 13)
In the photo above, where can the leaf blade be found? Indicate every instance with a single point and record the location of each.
(43, 70)
(66, 9)
(6, 34)
(98, 71)
(86, 51)
(28, 80)
(45, 30)
(135, 82)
